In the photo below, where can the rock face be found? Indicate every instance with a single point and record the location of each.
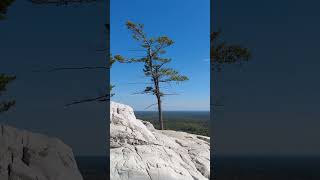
(30, 156)
(140, 152)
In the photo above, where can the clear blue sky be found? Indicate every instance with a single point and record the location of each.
(188, 24)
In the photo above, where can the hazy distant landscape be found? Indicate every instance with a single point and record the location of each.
(194, 122)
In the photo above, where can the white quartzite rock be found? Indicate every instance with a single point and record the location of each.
(140, 152)
(30, 156)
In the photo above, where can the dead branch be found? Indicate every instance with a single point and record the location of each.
(74, 68)
(99, 99)
(150, 106)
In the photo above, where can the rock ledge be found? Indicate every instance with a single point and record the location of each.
(140, 152)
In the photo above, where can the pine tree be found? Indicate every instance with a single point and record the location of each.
(154, 65)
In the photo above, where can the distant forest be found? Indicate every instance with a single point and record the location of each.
(195, 122)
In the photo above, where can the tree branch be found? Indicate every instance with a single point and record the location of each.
(169, 94)
(74, 68)
(150, 106)
(142, 92)
(139, 83)
(100, 99)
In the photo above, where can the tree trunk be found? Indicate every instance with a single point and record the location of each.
(160, 113)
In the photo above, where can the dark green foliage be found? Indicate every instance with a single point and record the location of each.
(4, 5)
(4, 81)
(223, 53)
(154, 64)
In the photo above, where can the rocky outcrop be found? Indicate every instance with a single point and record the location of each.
(140, 152)
(30, 156)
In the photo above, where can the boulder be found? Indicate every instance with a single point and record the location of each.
(31, 156)
(140, 152)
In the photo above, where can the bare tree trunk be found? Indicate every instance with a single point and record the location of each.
(158, 95)
(155, 77)
(160, 113)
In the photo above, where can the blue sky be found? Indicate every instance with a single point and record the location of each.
(188, 24)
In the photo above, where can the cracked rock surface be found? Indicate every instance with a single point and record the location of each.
(30, 156)
(140, 152)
